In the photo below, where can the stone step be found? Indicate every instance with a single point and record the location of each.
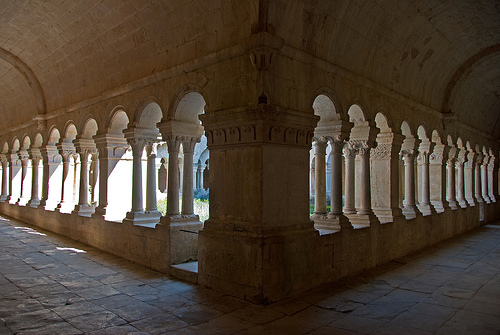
(185, 271)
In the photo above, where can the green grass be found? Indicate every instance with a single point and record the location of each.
(200, 208)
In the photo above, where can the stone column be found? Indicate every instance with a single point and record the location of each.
(137, 200)
(349, 204)
(437, 177)
(173, 144)
(336, 177)
(51, 161)
(94, 176)
(365, 197)
(24, 158)
(260, 209)
(469, 178)
(151, 206)
(35, 180)
(460, 179)
(484, 179)
(111, 148)
(477, 179)
(187, 188)
(450, 180)
(425, 203)
(490, 169)
(14, 170)
(5, 178)
(64, 196)
(320, 177)
(409, 209)
(385, 176)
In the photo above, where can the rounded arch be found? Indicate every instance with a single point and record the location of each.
(406, 129)
(70, 132)
(436, 137)
(422, 132)
(26, 142)
(333, 99)
(204, 156)
(356, 114)
(324, 107)
(54, 136)
(37, 143)
(188, 102)
(460, 144)
(15, 145)
(5, 147)
(450, 141)
(148, 113)
(89, 128)
(117, 121)
(382, 122)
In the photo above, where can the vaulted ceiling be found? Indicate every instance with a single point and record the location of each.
(443, 54)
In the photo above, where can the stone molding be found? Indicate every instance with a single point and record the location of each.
(261, 124)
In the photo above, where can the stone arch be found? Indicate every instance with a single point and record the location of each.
(37, 143)
(26, 143)
(328, 96)
(356, 114)
(406, 129)
(70, 132)
(89, 127)
(5, 147)
(148, 113)
(16, 145)
(118, 121)
(188, 102)
(54, 136)
(382, 122)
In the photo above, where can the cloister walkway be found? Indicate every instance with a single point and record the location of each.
(52, 285)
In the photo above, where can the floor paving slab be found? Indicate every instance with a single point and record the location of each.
(52, 285)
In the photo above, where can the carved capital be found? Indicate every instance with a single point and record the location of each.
(382, 151)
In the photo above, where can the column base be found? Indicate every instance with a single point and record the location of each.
(84, 210)
(359, 221)
(34, 203)
(410, 212)
(257, 268)
(4, 198)
(143, 219)
(426, 209)
(462, 203)
(453, 204)
(387, 215)
(184, 231)
(471, 202)
(331, 222)
(438, 206)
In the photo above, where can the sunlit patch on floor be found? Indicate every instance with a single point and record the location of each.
(71, 249)
(30, 231)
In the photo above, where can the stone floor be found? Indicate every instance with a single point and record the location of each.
(52, 285)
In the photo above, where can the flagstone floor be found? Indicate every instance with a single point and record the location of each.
(52, 285)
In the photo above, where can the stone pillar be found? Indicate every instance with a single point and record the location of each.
(36, 158)
(151, 206)
(24, 158)
(187, 189)
(425, 203)
(484, 179)
(320, 177)
(450, 180)
(409, 209)
(336, 177)
(349, 203)
(437, 177)
(477, 179)
(111, 148)
(460, 178)
(469, 168)
(5, 177)
(173, 175)
(14, 168)
(201, 169)
(65, 201)
(385, 176)
(258, 242)
(490, 169)
(365, 196)
(51, 161)
(93, 177)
